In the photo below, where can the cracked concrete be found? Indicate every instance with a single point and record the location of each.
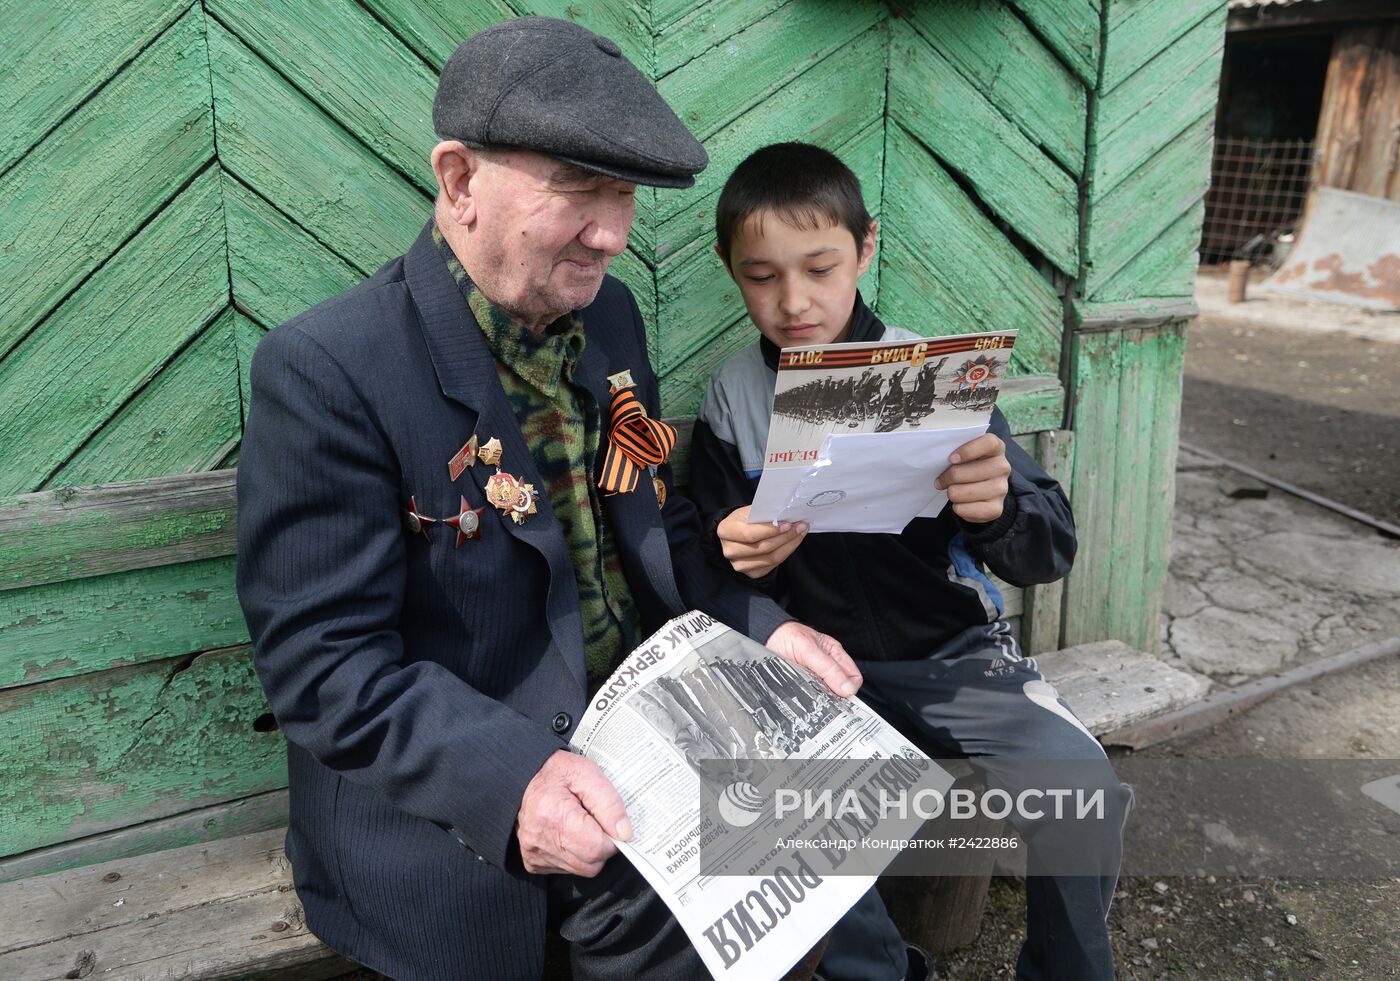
(1259, 584)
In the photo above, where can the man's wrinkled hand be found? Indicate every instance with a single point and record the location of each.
(569, 816)
(818, 653)
(756, 549)
(977, 482)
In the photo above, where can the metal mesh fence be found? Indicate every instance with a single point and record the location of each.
(1257, 188)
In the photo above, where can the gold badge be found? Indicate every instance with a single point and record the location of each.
(462, 459)
(660, 486)
(511, 495)
(490, 452)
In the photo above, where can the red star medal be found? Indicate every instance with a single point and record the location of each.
(467, 521)
(418, 523)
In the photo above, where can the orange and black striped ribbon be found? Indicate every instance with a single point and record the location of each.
(634, 443)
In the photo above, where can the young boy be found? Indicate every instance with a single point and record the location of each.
(915, 609)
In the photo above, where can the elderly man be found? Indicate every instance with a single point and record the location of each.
(444, 543)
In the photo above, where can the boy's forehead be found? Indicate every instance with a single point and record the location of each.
(793, 227)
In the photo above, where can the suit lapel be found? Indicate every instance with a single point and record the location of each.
(466, 373)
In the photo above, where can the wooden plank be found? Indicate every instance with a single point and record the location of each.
(1137, 211)
(62, 629)
(1361, 112)
(1010, 174)
(1158, 103)
(1142, 312)
(66, 51)
(122, 155)
(638, 277)
(72, 532)
(1136, 32)
(1161, 478)
(1032, 403)
(732, 77)
(309, 167)
(1097, 364)
(236, 914)
(1108, 684)
(246, 335)
(994, 51)
(276, 267)
(1132, 462)
(112, 336)
(683, 387)
(434, 30)
(352, 67)
(247, 815)
(946, 268)
(1165, 268)
(820, 106)
(186, 420)
(1041, 622)
(1071, 28)
(685, 29)
(116, 748)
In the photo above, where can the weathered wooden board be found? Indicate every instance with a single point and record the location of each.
(628, 22)
(1095, 421)
(1156, 104)
(945, 268)
(276, 267)
(73, 532)
(641, 280)
(1071, 28)
(307, 165)
(686, 29)
(737, 74)
(434, 30)
(1160, 500)
(1132, 463)
(1108, 684)
(994, 50)
(1136, 212)
(1040, 625)
(1010, 174)
(115, 748)
(248, 815)
(112, 336)
(63, 629)
(1136, 30)
(349, 65)
(1032, 403)
(247, 333)
(696, 294)
(186, 420)
(140, 139)
(219, 910)
(1361, 111)
(819, 106)
(1165, 268)
(68, 50)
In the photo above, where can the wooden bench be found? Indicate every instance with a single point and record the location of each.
(144, 784)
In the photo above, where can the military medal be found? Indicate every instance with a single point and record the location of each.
(621, 380)
(462, 459)
(417, 523)
(511, 495)
(490, 452)
(467, 521)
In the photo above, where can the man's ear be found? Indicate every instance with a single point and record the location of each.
(867, 248)
(454, 166)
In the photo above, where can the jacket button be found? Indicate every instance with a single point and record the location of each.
(562, 722)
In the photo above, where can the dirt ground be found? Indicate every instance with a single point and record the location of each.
(1322, 412)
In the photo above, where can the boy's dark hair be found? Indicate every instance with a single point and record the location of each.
(808, 186)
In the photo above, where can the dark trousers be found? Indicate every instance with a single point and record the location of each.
(978, 698)
(618, 928)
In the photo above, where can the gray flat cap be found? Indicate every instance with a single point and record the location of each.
(559, 89)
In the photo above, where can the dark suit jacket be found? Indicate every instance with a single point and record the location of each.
(421, 685)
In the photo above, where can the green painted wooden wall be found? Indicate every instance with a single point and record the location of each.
(179, 177)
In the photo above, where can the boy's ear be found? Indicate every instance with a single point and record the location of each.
(722, 259)
(867, 248)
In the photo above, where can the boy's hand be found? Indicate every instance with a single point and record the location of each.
(976, 482)
(757, 549)
(819, 653)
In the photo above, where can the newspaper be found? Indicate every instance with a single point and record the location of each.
(861, 431)
(702, 730)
